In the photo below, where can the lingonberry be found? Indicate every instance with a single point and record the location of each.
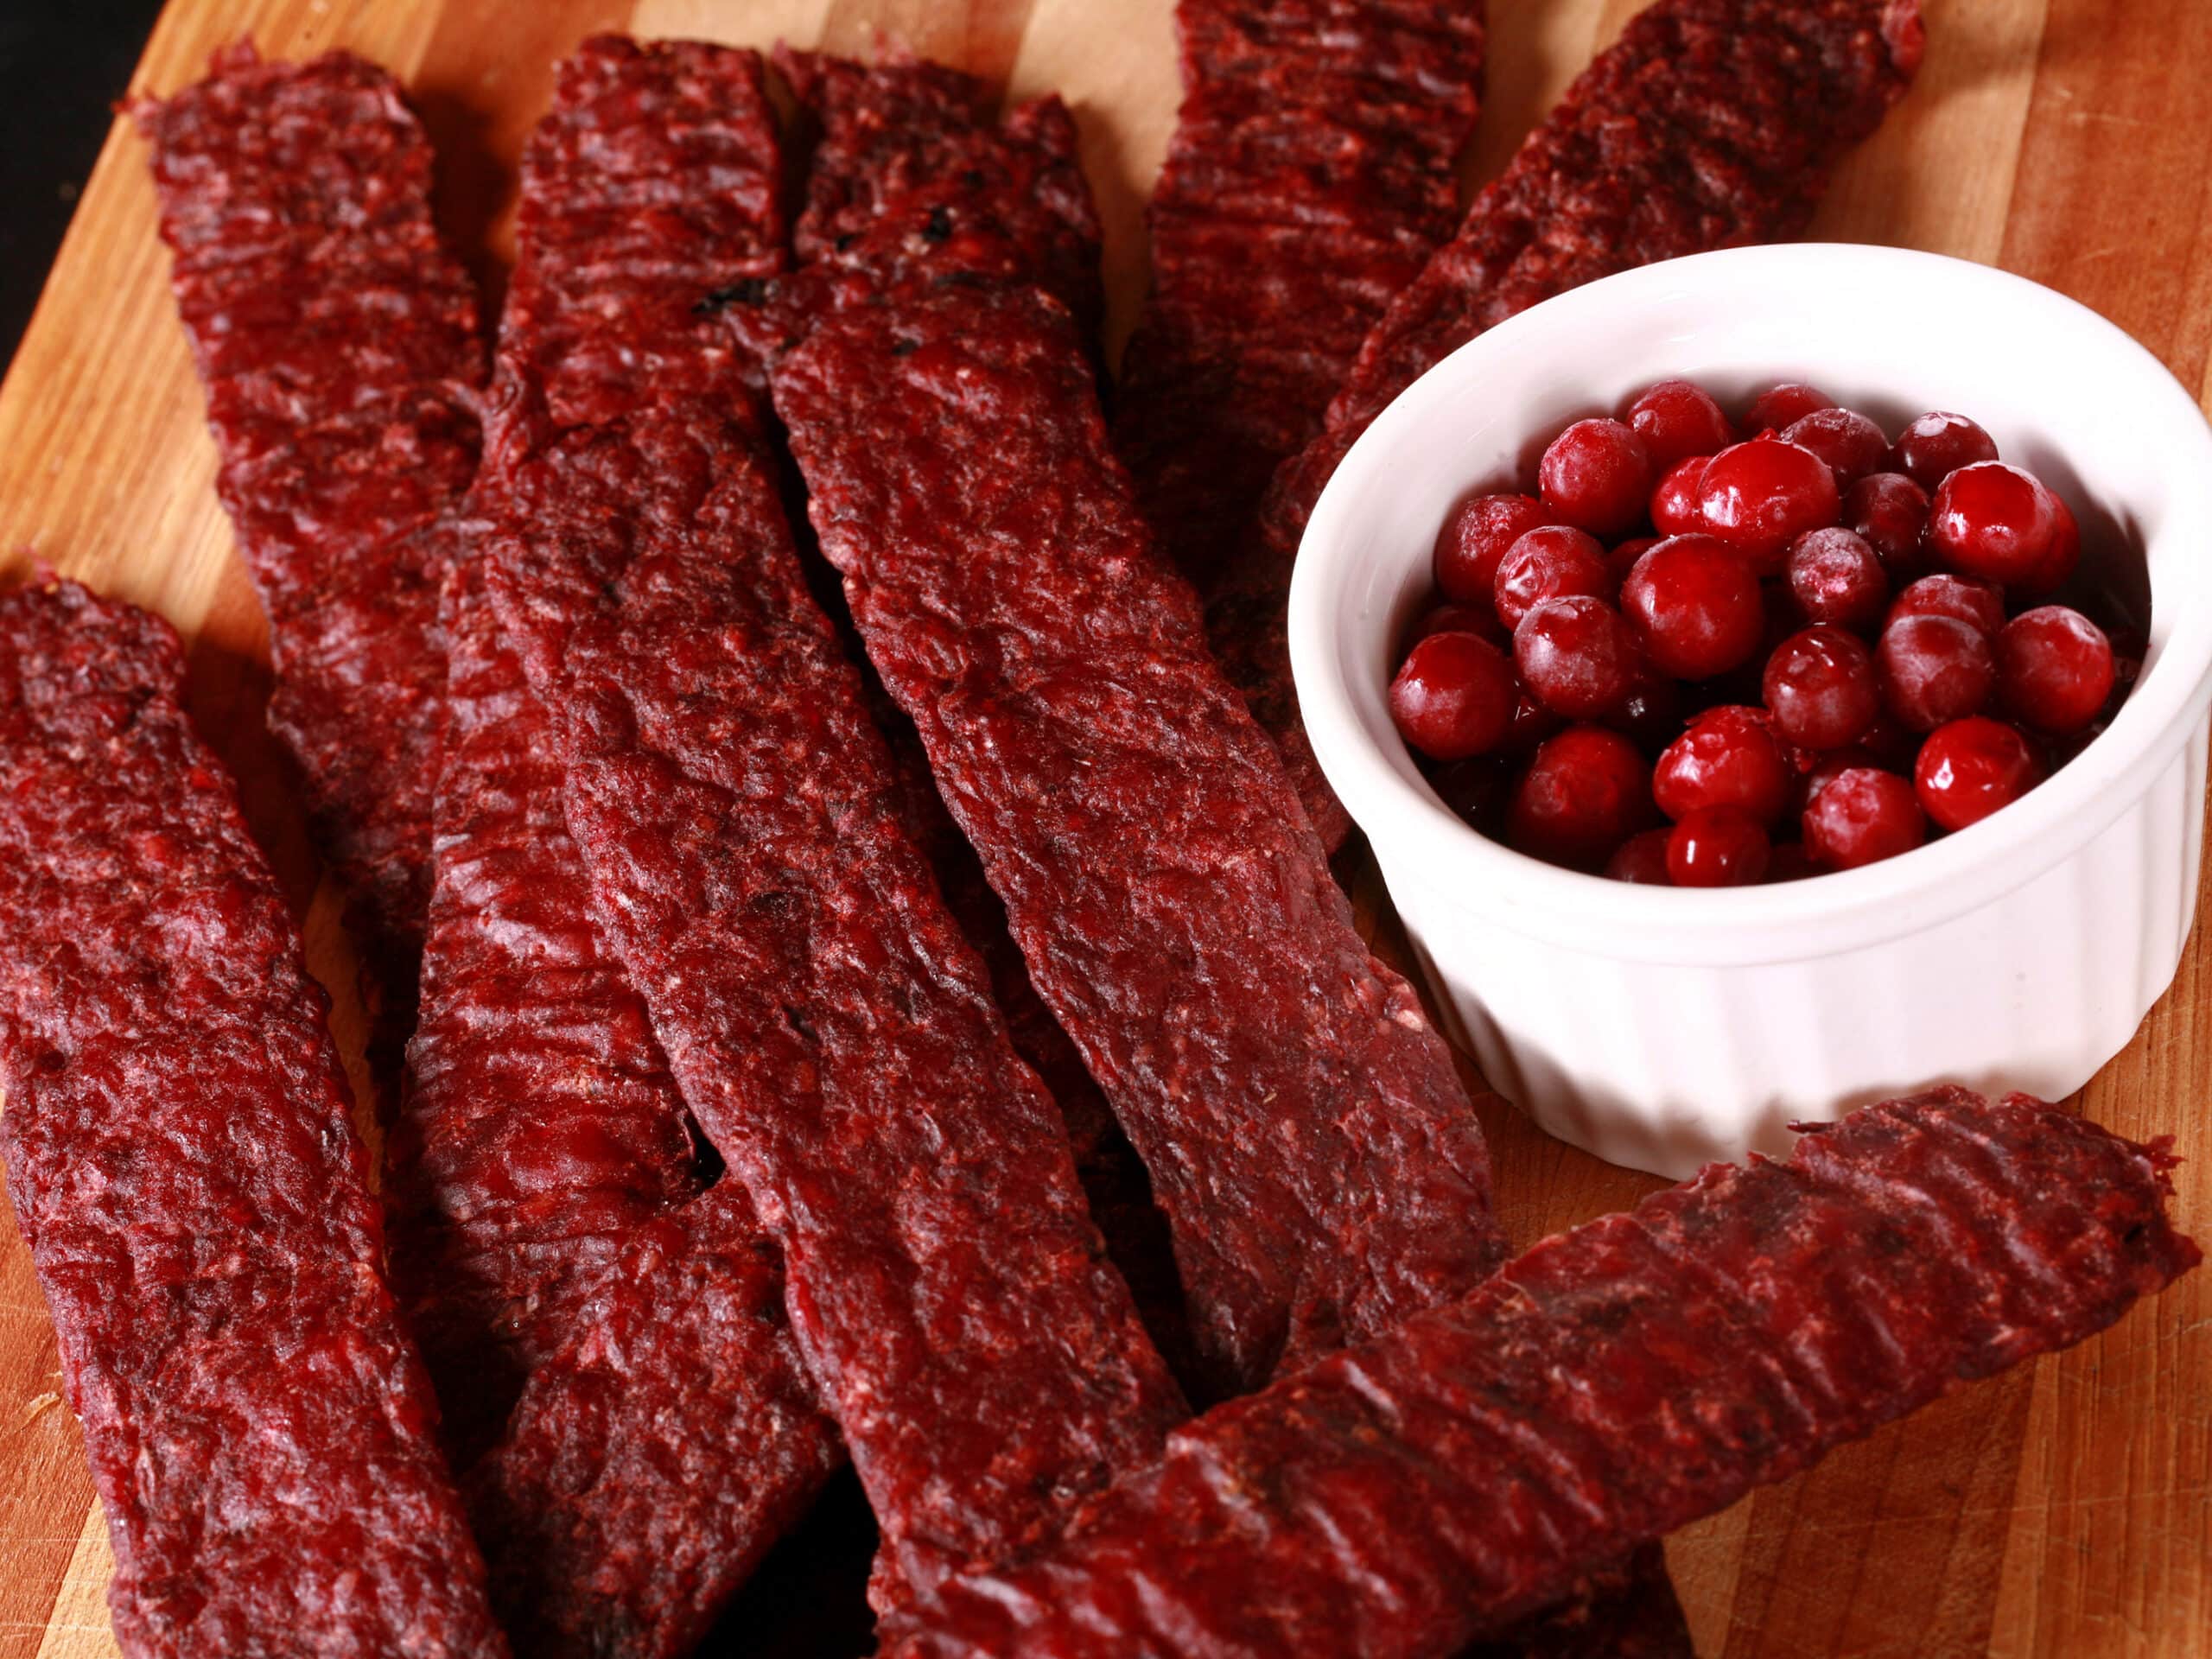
(2055, 669)
(1545, 563)
(1861, 817)
(1835, 578)
(1717, 847)
(1819, 688)
(1852, 445)
(1577, 655)
(1935, 445)
(1597, 476)
(1784, 405)
(1759, 497)
(1585, 791)
(1934, 670)
(1979, 604)
(1474, 538)
(1452, 696)
(1728, 757)
(1891, 512)
(1676, 418)
(1970, 768)
(1694, 605)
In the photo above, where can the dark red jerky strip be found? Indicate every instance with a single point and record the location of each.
(1709, 123)
(907, 152)
(182, 1163)
(1614, 1383)
(1307, 1138)
(739, 817)
(651, 1463)
(538, 1128)
(338, 344)
(1309, 178)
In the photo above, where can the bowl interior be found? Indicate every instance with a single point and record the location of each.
(1890, 332)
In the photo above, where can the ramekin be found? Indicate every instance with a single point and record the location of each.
(1663, 1029)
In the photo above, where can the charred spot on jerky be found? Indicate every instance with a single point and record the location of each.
(939, 227)
(746, 290)
(905, 347)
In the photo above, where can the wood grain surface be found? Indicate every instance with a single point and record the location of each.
(2063, 1510)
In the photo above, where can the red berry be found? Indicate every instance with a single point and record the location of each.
(1453, 618)
(1819, 688)
(1547, 563)
(1761, 496)
(1677, 418)
(1719, 847)
(1597, 476)
(1862, 816)
(1675, 510)
(1585, 791)
(1936, 445)
(1991, 520)
(1454, 696)
(2055, 669)
(1852, 445)
(1934, 670)
(1835, 578)
(1969, 768)
(1891, 512)
(1621, 557)
(2064, 556)
(1728, 757)
(1979, 604)
(1694, 605)
(1474, 538)
(1577, 655)
(1783, 405)
(1641, 860)
(1827, 767)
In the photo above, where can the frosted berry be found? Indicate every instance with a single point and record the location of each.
(1835, 577)
(1577, 655)
(1784, 405)
(1891, 512)
(1474, 538)
(1454, 696)
(1862, 816)
(2054, 670)
(1935, 445)
(1548, 564)
(1676, 418)
(1852, 445)
(1821, 689)
(1597, 475)
(1979, 604)
(1934, 670)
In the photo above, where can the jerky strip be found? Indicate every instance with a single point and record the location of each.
(737, 813)
(182, 1163)
(1309, 178)
(1306, 1136)
(337, 342)
(1709, 123)
(1614, 1383)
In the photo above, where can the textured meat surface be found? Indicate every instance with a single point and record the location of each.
(337, 342)
(653, 1460)
(1306, 1136)
(1309, 178)
(181, 1161)
(1709, 123)
(740, 820)
(1614, 1383)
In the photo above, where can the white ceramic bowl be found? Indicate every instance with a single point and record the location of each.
(1663, 1028)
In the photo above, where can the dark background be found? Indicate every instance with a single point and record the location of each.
(63, 63)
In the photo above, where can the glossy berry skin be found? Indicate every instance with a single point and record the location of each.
(1784, 405)
(1474, 538)
(1835, 578)
(1821, 689)
(1641, 860)
(1728, 757)
(1969, 768)
(2065, 555)
(1597, 475)
(1890, 512)
(1717, 846)
(1577, 655)
(1677, 418)
(1452, 617)
(1852, 445)
(1862, 816)
(1934, 670)
(1696, 607)
(1827, 767)
(1454, 696)
(1759, 497)
(1674, 509)
(1548, 562)
(1993, 521)
(1585, 791)
(1935, 445)
(2054, 670)
(1979, 604)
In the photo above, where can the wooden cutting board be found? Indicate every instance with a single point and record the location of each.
(2065, 1510)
